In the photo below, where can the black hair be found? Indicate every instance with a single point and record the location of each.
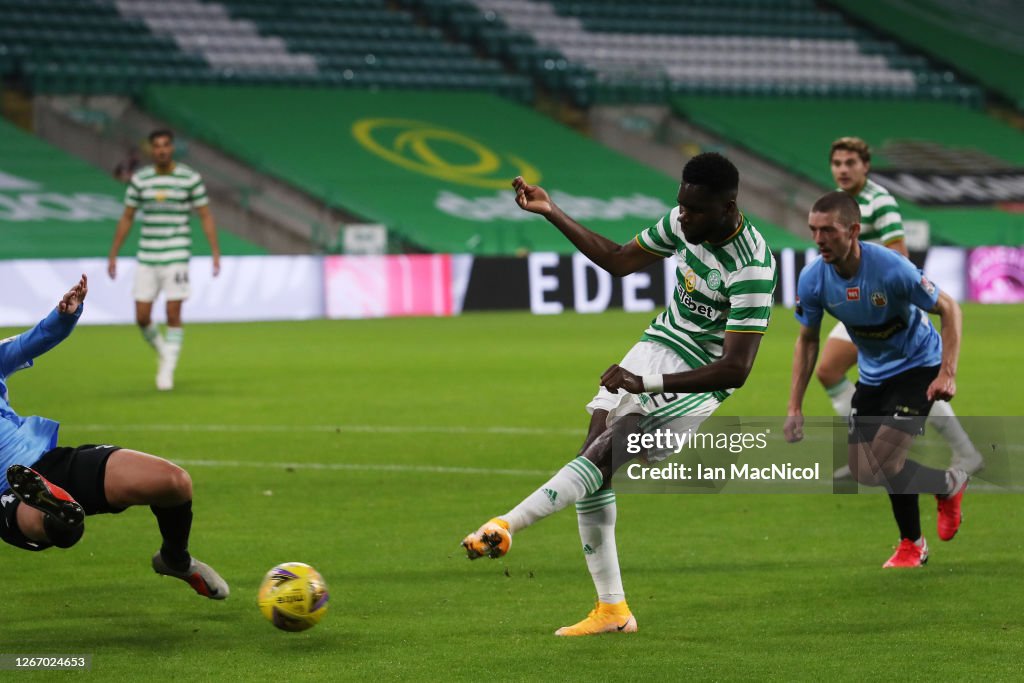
(842, 204)
(161, 133)
(713, 171)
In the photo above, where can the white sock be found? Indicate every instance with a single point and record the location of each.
(841, 396)
(151, 333)
(944, 420)
(172, 345)
(574, 481)
(596, 517)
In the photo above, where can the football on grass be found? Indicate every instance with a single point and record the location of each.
(293, 596)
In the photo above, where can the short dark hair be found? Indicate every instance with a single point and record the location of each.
(851, 144)
(713, 171)
(840, 203)
(161, 133)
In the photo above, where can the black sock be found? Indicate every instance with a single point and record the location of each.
(175, 524)
(916, 478)
(908, 517)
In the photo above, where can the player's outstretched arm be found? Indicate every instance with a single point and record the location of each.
(728, 372)
(617, 259)
(943, 387)
(210, 230)
(19, 351)
(805, 356)
(124, 226)
(73, 299)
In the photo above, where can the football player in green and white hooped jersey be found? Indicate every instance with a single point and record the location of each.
(850, 162)
(690, 358)
(167, 192)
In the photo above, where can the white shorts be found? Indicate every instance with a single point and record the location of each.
(840, 332)
(678, 412)
(171, 279)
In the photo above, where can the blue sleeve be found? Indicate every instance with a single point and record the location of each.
(921, 291)
(18, 352)
(808, 300)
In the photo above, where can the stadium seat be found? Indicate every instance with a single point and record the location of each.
(641, 51)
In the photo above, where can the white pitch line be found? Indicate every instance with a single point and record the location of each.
(361, 467)
(977, 486)
(372, 429)
(327, 429)
(396, 429)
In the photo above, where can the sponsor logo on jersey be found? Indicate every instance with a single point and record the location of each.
(878, 299)
(688, 302)
(886, 330)
(690, 280)
(699, 309)
(927, 285)
(853, 293)
(714, 280)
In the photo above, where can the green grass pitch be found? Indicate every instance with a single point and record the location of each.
(369, 448)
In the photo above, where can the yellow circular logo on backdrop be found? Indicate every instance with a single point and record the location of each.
(440, 153)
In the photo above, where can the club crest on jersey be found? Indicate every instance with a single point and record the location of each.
(690, 280)
(160, 196)
(714, 280)
(878, 299)
(927, 285)
(853, 293)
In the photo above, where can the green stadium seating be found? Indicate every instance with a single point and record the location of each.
(73, 46)
(342, 172)
(980, 38)
(548, 59)
(387, 43)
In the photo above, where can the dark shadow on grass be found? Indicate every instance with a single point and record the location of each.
(126, 629)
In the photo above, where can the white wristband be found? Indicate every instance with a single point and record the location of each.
(654, 384)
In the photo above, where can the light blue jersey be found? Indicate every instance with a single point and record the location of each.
(883, 307)
(23, 440)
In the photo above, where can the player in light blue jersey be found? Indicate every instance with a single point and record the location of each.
(881, 223)
(905, 365)
(49, 490)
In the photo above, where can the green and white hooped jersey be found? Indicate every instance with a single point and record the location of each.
(880, 220)
(719, 288)
(166, 200)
